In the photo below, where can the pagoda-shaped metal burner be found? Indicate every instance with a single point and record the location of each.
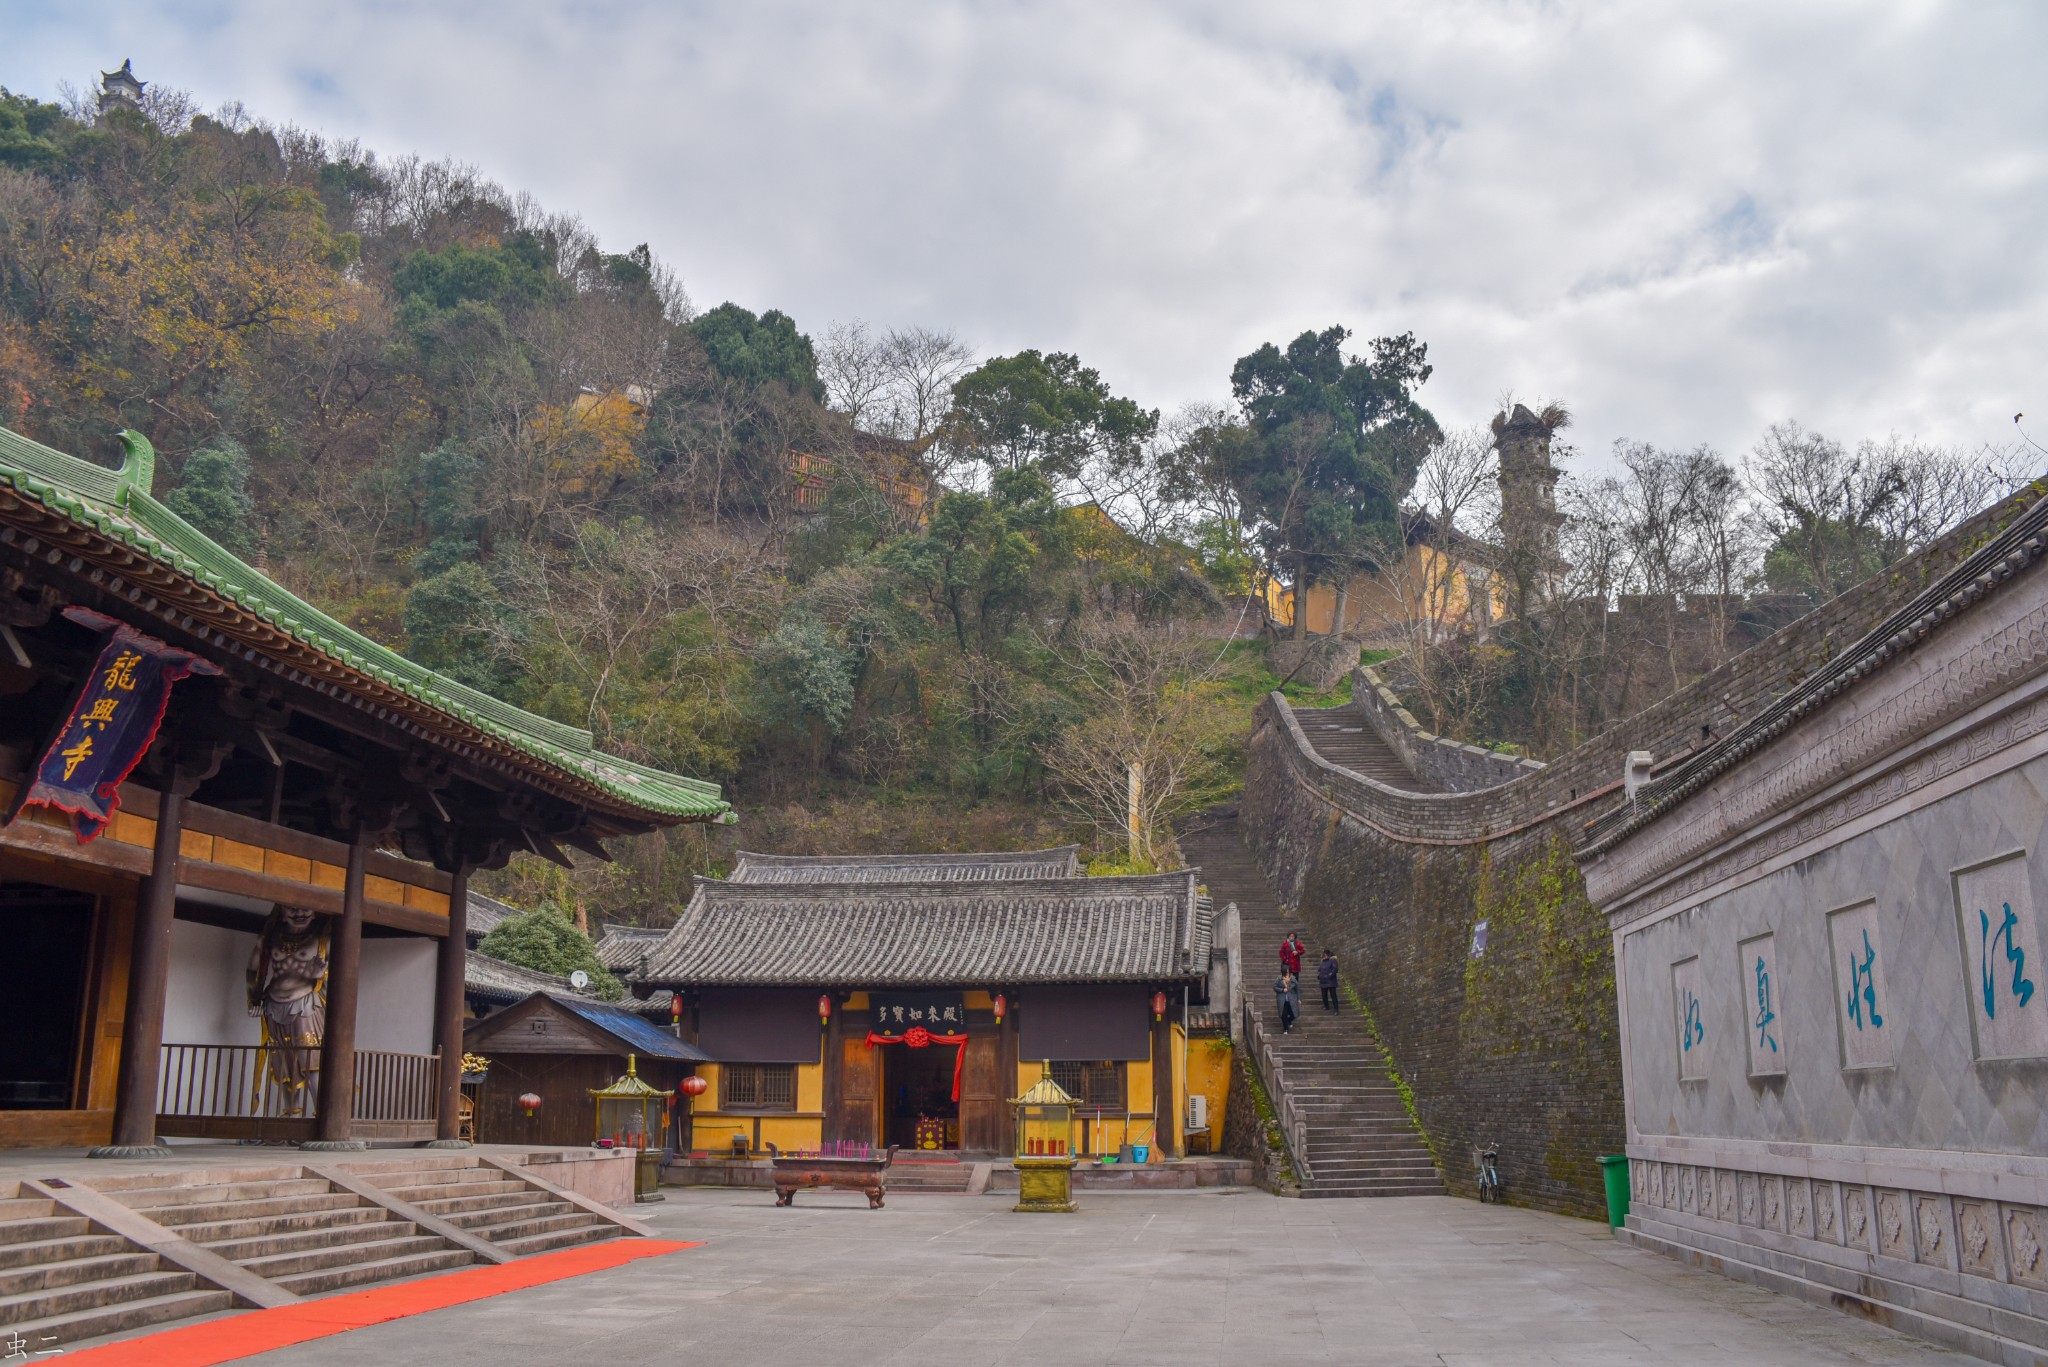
(1045, 1146)
(629, 1115)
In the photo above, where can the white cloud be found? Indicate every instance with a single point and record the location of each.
(1688, 222)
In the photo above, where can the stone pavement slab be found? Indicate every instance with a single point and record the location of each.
(1186, 1279)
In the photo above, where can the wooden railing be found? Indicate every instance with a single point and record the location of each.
(245, 1091)
(1293, 1124)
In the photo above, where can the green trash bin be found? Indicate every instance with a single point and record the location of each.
(1614, 1167)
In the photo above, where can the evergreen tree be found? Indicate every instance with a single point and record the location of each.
(546, 941)
(214, 495)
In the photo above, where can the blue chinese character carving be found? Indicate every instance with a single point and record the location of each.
(1692, 1032)
(1764, 1014)
(2022, 985)
(1863, 987)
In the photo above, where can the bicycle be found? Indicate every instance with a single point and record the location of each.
(1488, 1161)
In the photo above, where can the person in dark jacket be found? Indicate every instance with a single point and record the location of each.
(1291, 950)
(1326, 978)
(1288, 997)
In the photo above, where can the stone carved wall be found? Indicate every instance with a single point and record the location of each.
(1906, 1244)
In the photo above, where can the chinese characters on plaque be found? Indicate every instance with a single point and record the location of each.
(111, 724)
(894, 1014)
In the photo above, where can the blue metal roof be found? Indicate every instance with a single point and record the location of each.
(642, 1035)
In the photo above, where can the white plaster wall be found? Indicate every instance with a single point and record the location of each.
(395, 1010)
(207, 994)
(206, 1001)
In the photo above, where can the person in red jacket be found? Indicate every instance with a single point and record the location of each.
(1291, 950)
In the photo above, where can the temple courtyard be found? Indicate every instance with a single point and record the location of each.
(1185, 1278)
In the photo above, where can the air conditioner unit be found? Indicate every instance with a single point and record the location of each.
(1198, 1111)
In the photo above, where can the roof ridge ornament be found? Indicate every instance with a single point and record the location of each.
(138, 464)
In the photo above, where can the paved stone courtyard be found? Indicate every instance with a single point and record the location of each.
(1184, 1278)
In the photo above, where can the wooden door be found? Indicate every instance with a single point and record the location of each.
(854, 1120)
(982, 1108)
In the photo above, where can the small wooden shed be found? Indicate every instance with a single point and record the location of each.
(560, 1049)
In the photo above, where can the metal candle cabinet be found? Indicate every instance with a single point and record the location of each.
(629, 1114)
(1045, 1146)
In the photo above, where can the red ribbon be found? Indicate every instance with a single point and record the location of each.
(917, 1037)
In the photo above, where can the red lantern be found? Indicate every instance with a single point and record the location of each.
(530, 1100)
(824, 1009)
(675, 1006)
(1158, 1006)
(1002, 1008)
(693, 1086)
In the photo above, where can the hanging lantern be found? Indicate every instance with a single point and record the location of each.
(1002, 1007)
(824, 1009)
(693, 1086)
(1158, 1006)
(675, 1007)
(530, 1100)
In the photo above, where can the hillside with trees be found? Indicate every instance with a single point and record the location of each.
(894, 594)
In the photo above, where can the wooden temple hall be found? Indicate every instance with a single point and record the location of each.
(238, 836)
(907, 999)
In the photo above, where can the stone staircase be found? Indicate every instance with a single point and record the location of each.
(492, 1204)
(62, 1280)
(1342, 736)
(298, 1231)
(1361, 1140)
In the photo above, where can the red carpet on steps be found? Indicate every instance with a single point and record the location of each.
(259, 1331)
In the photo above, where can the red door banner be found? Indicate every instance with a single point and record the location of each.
(111, 725)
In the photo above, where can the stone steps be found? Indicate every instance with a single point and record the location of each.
(1361, 1139)
(1342, 736)
(493, 1204)
(293, 1229)
(62, 1283)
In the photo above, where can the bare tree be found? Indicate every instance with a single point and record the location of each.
(858, 374)
(1147, 702)
(923, 363)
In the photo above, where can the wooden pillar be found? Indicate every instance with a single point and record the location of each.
(1165, 1117)
(336, 1125)
(149, 968)
(448, 1013)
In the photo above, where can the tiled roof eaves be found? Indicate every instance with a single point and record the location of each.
(1139, 929)
(2017, 545)
(94, 497)
(1060, 861)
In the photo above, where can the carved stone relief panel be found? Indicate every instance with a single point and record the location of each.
(1689, 1188)
(1931, 1241)
(1977, 1242)
(1639, 1181)
(1757, 971)
(1671, 1184)
(1862, 1006)
(1724, 1194)
(1856, 1217)
(1827, 1212)
(2001, 952)
(1656, 1194)
(1893, 1239)
(2024, 1230)
(1774, 1204)
(1798, 1207)
(1746, 1195)
(1689, 1020)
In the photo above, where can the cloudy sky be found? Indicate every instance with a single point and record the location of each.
(1687, 221)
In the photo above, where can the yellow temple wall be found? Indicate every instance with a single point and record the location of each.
(1209, 1064)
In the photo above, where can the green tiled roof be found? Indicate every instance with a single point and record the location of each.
(118, 505)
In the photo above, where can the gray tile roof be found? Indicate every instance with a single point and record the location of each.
(1045, 930)
(496, 980)
(484, 915)
(1060, 862)
(622, 947)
